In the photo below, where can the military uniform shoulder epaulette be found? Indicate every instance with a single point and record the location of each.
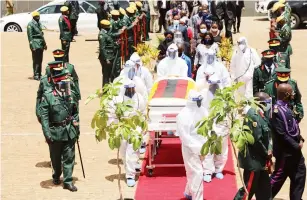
(292, 80)
(275, 108)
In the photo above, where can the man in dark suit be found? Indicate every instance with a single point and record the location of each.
(239, 6)
(163, 6)
(176, 26)
(224, 10)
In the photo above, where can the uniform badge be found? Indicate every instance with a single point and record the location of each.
(254, 124)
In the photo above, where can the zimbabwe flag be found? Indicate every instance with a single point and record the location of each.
(171, 88)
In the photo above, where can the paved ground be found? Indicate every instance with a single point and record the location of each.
(25, 174)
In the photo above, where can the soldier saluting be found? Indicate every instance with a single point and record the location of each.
(65, 32)
(37, 44)
(60, 124)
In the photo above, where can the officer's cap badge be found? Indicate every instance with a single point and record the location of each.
(254, 124)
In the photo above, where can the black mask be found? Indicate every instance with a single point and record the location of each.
(200, 13)
(168, 39)
(179, 53)
(129, 92)
(207, 41)
(276, 48)
(268, 61)
(36, 19)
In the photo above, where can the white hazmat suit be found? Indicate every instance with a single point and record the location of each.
(216, 77)
(172, 65)
(131, 157)
(142, 71)
(191, 144)
(244, 60)
(129, 72)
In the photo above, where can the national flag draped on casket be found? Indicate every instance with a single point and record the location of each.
(172, 88)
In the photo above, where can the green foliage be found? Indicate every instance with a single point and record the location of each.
(116, 120)
(225, 110)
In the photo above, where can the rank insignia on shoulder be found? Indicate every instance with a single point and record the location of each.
(255, 124)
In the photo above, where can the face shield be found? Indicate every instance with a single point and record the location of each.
(242, 45)
(210, 59)
(63, 86)
(172, 53)
(131, 73)
(197, 100)
(266, 104)
(129, 90)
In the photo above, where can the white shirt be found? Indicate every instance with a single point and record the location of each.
(163, 4)
(270, 70)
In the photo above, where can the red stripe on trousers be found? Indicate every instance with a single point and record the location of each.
(160, 89)
(249, 184)
(181, 89)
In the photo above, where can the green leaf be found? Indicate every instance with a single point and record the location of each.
(125, 133)
(117, 142)
(246, 128)
(213, 135)
(111, 143)
(205, 149)
(93, 122)
(218, 147)
(250, 138)
(212, 148)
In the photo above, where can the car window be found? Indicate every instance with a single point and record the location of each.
(50, 9)
(87, 7)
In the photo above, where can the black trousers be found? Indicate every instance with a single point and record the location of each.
(228, 26)
(162, 21)
(37, 58)
(74, 27)
(65, 47)
(293, 167)
(65, 150)
(106, 71)
(257, 183)
(238, 18)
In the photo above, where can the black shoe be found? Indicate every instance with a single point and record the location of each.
(238, 30)
(71, 188)
(56, 181)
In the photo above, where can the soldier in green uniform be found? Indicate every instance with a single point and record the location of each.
(284, 35)
(37, 44)
(141, 16)
(265, 72)
(45, 84)
(65, 32)
(256, 176)
(146, 9)
(60, 124)
(283, 76)
(108, 51)
(131, 29)
(74, 10)
(282, 58)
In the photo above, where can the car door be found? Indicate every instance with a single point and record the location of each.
(303, 11)
(87, 21)
(49, 16)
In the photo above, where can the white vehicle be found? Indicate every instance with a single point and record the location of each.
(261, 6)
(49, 16)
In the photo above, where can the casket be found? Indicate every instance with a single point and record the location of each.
(167, 97)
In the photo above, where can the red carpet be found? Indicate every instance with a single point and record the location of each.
(169, 183)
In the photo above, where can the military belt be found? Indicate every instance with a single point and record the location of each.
(62, 123)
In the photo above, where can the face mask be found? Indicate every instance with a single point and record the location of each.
(268, 61)
(172, 53)
(168, 39)
(198, 101)
(37, 19)
(200, 13)
(205, 15)
(207, 42)
(266, 105)
(131, 73)
(176, 22)
(242, 47)
(130, 92)
(203, 30)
